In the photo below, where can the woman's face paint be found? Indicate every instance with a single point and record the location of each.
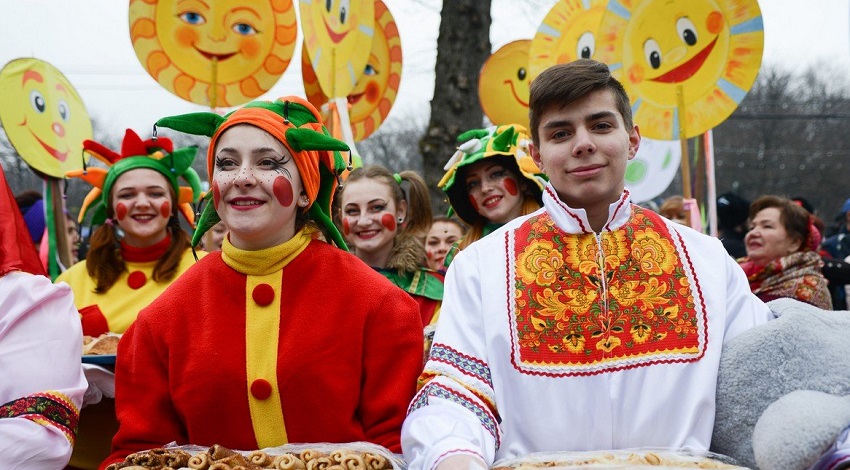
(141, 202)
(388, 221)
(216, 194)
(165, 209)
(511, 186)
(370, 219)
(121, 210)
(255, 180)
(283, 191)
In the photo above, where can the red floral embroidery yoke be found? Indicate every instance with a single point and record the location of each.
(585, 304)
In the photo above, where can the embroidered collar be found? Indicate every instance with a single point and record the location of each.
(572, 220)
(265, 261)
(147, 254)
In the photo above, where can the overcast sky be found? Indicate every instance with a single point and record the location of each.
(88, 41)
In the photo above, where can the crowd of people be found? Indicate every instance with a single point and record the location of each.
(299, 308)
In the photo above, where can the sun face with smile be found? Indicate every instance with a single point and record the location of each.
(567, 33)
(709, 49)
(241, 46)
(43, 116)
(503, 84)
(375, 92)
(338, 37)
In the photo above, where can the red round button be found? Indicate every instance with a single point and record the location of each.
(136, 279)
(263, 294)
(261, 389)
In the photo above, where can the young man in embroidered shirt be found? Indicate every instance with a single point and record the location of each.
(590, 324)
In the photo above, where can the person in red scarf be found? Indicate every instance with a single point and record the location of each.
(136, 205)
(42, 384)
(782, 260)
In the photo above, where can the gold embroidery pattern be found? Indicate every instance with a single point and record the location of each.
(582, 307)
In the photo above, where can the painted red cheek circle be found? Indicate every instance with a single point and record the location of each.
(120, 211)
(429, 254)
(283, 191)
(474, 204)
(165, 209)
(216, 194)
(511, 186)
(388, 221)
(346, 227)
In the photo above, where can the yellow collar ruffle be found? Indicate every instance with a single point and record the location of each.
(268, 260)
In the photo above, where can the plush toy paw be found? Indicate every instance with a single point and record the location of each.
(794, 431)
(805, 348)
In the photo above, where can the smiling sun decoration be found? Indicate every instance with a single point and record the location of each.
(712, 49)
(375, 92)
(568, 32)
(338, 37)
(43, 116)
(241, 46)
(503, 84)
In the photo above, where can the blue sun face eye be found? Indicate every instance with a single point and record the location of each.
(191, 17)
(244, 29)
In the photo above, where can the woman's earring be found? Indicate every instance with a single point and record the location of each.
(400, 219)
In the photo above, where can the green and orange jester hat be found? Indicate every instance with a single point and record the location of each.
(155, 154)
(298, 126)
(507, 144)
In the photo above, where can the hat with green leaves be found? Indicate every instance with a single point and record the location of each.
(155, 154)
(508, 145)
(298, 126)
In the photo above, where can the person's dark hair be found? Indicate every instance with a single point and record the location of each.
(732, 211)
(563, 84)
(794, 218)
(25, 199)
(451, 220)
(105, 264)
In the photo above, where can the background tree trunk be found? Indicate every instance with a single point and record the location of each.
(462, 47)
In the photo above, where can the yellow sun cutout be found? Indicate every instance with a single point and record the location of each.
(338, 37)
(503, 84)
(712, 49)
(568, 32)
(374, 94)
(43, 116)
(221, 53)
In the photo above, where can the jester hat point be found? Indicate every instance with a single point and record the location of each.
(298, 126)
(507, 145)
(155, 154)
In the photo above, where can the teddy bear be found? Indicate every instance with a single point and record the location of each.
(783, 391)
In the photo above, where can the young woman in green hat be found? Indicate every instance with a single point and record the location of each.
(491, 180)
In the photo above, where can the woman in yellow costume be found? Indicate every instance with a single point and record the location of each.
(139, 247)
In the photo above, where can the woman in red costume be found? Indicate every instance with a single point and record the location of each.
(280, 337)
